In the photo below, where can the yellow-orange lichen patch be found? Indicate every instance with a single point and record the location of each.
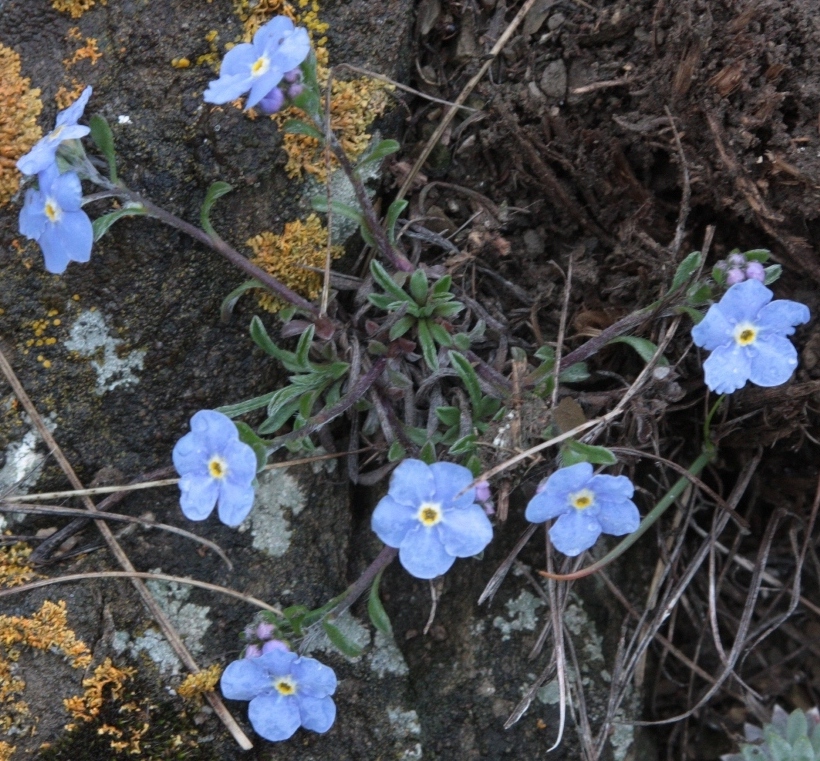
(289, 257)
(14, 567)
(6, 751)
(75, 8)
(20, 106)
(86, 707)
(64, 97)
(89, 51)
(194, 686)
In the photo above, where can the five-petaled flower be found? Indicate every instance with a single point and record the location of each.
(585, 505)
(215, 466)
(52, 215)
(429, 520)
(277, 48)
(286, 692)
(43, 154)
(746, 333)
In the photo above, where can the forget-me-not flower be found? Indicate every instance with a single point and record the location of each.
(215, 466)
(286, 692)
(746, 333)
(424, 518)
(259, 66)
(585, 505)
(53, 216)
(42, 155)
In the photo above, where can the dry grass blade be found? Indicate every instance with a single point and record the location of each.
(11, 507)
(501, 572)
(142, 575)
(157, 613)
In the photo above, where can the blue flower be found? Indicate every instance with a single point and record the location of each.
(747, 337)
(431, 526)
(286, 692)
(258, 67)
(54, 218)
(215, 466)
(586, 507)
(42, 155)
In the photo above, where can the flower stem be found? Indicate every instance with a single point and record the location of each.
(663, 505)
(362, 584)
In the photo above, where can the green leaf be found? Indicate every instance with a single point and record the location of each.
(401, 326)
(418, 286)
(417, 435)
(694, 314)
(796, 726)
(101, 224)
(263, 341)
(303, 348)
(719, 275)
(428, 345)
(104, 140)
(307, 402)
(235, 410)
(344, 645)
(384, 301)
(442, 286)
(450, 416)
(474, 465)
(545, 353)
(229, 302)
(393, 214)
(468, 376)
(281, 416)
(396, 452)
(645, 348)
(299, 127)
(573, 452)
(574, 373)
(319, 203)
(440, 335)
(258, 444)
(761, 255)
(464, 445)
(698, 293)
(688, 267)
(382, 277)
(802, 750)
(773, 273)
(448, 309)
(380, 151)
(461, 341)
(428, 453)
(375, 609)
(217, 190)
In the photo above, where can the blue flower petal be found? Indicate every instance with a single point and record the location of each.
(228, 88)
(465, 531)
(314, 679)
(263, 85)
(241, 461)
(39, 157)
(743, 301)
(567, 480)
(77, 235)
(198, 496)
(294, 50)
(423, 555)
(781, 316)
(244, 680)
(713, 330)
(65, 189)
(235, 502)
(543, 507)
(277, 662)
(391, 521)
(611, 488)
(449, 480)
(317, 714)
(190, 456)
(728, 367)
(54, 250)
(32, 216)
(412, 483)
(275, 717)
(575, 532)
(214, 428)
(773, 360)
(619, 518)
(275, 30)
(238, 61)
(72, 114)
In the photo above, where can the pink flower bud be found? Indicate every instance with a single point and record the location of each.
(294, 75)
(294, 91)
(252, 651)
(274, 644)
(264, 631)
(734, 276)
(755, 271)
(737, 260)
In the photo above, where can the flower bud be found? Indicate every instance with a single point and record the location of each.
(264, 631)
(274, 644)
(735, 276)
(755, 271)
(272, 102)
(737, 260)
(294, 91)
(252, 651)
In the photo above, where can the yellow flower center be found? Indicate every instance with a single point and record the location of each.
(55, 133)
(429, 513)
(745, 333)
(53, 210)
(261, 65)
(285, 686)
(583, 499)
(217, 467)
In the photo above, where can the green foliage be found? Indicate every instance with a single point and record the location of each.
(215, 191)
(102, 224)
(104, 140)
(573, 452)
(644, 347)
(789, 737)
(375, 609)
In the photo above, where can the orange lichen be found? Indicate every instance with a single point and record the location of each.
(86, 707)
(89, 51)
(19, 108)
(194, 686)
(289, 256)
(64, 96)
(14, 567)
(75, 8)
(6, 751)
